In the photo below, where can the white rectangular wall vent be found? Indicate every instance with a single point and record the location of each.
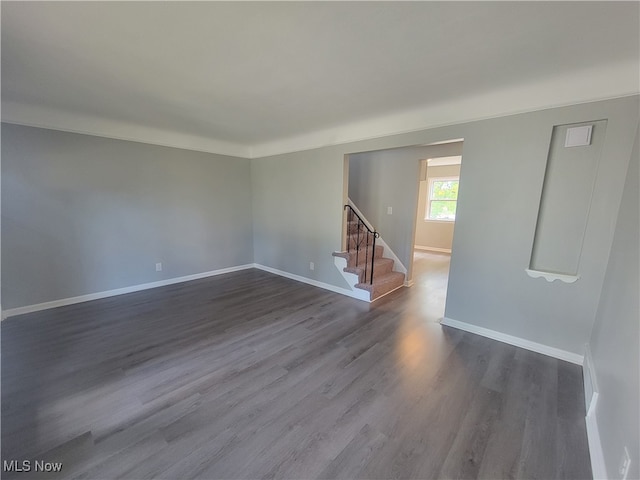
(578, 136)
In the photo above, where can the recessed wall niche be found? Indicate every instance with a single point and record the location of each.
(570, 176)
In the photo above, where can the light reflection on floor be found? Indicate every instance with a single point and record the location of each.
(421, 341)
(430, 276)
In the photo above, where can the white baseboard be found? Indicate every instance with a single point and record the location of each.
(352, 280)
(118, 291)
(170, 281)
(343, 291)
(398, 266)
(432, 249)
(591, 395)
(515, 341)
(598, 468)
(590, 382)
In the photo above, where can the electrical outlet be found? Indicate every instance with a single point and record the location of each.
(158, 267)
(389, 210)
(625, 463)
(312, 266)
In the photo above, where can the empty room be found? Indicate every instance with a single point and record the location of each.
(215, 250)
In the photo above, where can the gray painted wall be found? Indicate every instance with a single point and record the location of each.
(505, 158)
(388, 178)
(84, 214)
(434, 233)
(566, 199)
(488, 286)
(297, 209)
(614, 341)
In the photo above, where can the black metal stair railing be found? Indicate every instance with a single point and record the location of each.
(363, 235)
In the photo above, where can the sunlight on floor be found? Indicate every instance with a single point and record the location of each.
(430, 275)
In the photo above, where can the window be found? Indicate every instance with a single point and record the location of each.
(442, 198)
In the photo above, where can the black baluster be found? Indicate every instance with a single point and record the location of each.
(366, 258)
(358, 244)
(373, 258)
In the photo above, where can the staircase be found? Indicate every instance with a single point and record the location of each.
(365, 259)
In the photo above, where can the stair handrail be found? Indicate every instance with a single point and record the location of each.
(374, 234)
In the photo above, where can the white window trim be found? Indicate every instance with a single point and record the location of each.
(431, 180)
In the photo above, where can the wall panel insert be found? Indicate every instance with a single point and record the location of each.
(571, 171)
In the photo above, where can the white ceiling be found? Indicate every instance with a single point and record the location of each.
(258, 78)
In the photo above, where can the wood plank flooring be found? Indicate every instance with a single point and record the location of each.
(250, 375)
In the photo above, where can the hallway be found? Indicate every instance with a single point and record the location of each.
(430, 276)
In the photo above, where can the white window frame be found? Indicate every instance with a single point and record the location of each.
(427, 212)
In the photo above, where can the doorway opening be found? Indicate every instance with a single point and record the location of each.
(435, 221)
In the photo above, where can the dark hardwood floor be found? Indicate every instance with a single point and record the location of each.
(250, 375)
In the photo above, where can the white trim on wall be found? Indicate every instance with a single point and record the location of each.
(398, 266)
(352, 279)
(515, 341)
(598, 467)
(343, 291)
(53, 119)
(431, 180)
(432, 249)
(617, 80)
(550, 276)
(118, 291)
(360, 295)
(590, 383)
